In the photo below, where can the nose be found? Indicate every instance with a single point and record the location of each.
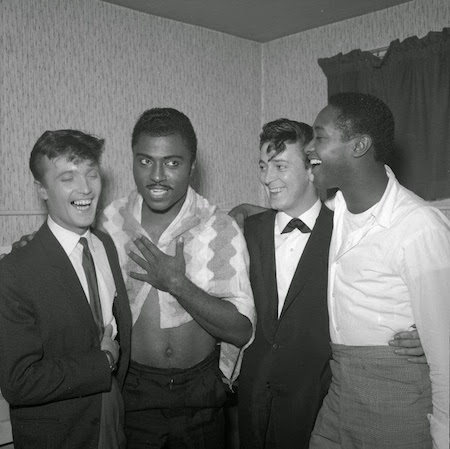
(309, 148)
(157, 172)
(268, 175)
(84, 185)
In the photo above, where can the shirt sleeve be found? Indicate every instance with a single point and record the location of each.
(426, 269)
(231, 283)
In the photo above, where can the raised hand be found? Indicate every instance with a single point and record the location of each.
(161, 270)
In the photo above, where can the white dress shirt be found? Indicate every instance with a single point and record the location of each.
(289, 248)
(106, 286)
(390, 273)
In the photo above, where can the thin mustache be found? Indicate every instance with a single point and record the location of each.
(150, 186)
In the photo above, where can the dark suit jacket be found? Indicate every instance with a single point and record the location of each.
(285, 372)
(52, 371)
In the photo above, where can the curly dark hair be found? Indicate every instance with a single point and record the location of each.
(159, 122)
(71, 143)
(282, 131)
(365, 114)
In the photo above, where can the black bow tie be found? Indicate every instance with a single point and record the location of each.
(296, 223)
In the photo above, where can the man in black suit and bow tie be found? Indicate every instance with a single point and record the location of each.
(63, 306)
(285, 372)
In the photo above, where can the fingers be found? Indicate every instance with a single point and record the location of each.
(139, 276)
(143, 243)
(418, 351)
(405, 343)
(108, 331)
(407, 335)
(421, 360)
(179, 247)
(411, 352)
(139, 260)
(240, 219)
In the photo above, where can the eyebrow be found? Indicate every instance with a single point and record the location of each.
(175, 156)
(277, 159)
(66, 172)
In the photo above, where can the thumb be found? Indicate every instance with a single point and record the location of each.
(179, 247)
(108, 331)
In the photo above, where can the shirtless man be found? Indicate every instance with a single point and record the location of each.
(185, 264)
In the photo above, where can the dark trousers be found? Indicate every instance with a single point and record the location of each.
(175, 408)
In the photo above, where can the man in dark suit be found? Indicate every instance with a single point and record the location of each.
(285, 372)
(63, 307)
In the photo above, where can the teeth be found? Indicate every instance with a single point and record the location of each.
(315, 161)
(158, 193)
(277, 190)
(82, 202)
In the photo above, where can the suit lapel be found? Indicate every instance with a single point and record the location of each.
(268, 269)
(65, 275)
(313, 252)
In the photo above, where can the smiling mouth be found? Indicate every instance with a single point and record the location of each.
(276, 190)
(315, 162)
(158, 191)
(82, 205)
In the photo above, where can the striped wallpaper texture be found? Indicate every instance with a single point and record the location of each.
(93, 66)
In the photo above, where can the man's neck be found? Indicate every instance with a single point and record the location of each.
(156, 222)
(304, 205)
(365, 190)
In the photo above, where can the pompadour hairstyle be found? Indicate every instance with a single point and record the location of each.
(73, 144)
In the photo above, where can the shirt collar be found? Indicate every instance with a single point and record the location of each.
(383, 210)
(309, 217)
(68, 239)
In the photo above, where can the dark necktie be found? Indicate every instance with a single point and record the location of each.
(296, 223)
(91, 277)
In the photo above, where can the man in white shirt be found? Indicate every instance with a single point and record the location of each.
(63, 303)
(389, 268)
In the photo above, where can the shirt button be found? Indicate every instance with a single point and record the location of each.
(267, 384)
(292, 250)
(275, 346)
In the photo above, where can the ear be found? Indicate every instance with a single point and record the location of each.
(41, 190)
(362, 145)
(191, 172)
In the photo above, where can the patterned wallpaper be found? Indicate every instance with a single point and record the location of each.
(93, 66)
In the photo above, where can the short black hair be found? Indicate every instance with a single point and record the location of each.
(159, 122)
(73, 144)
(365, 114)
(282, 131)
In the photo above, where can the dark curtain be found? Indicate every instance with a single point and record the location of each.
(413, 79)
